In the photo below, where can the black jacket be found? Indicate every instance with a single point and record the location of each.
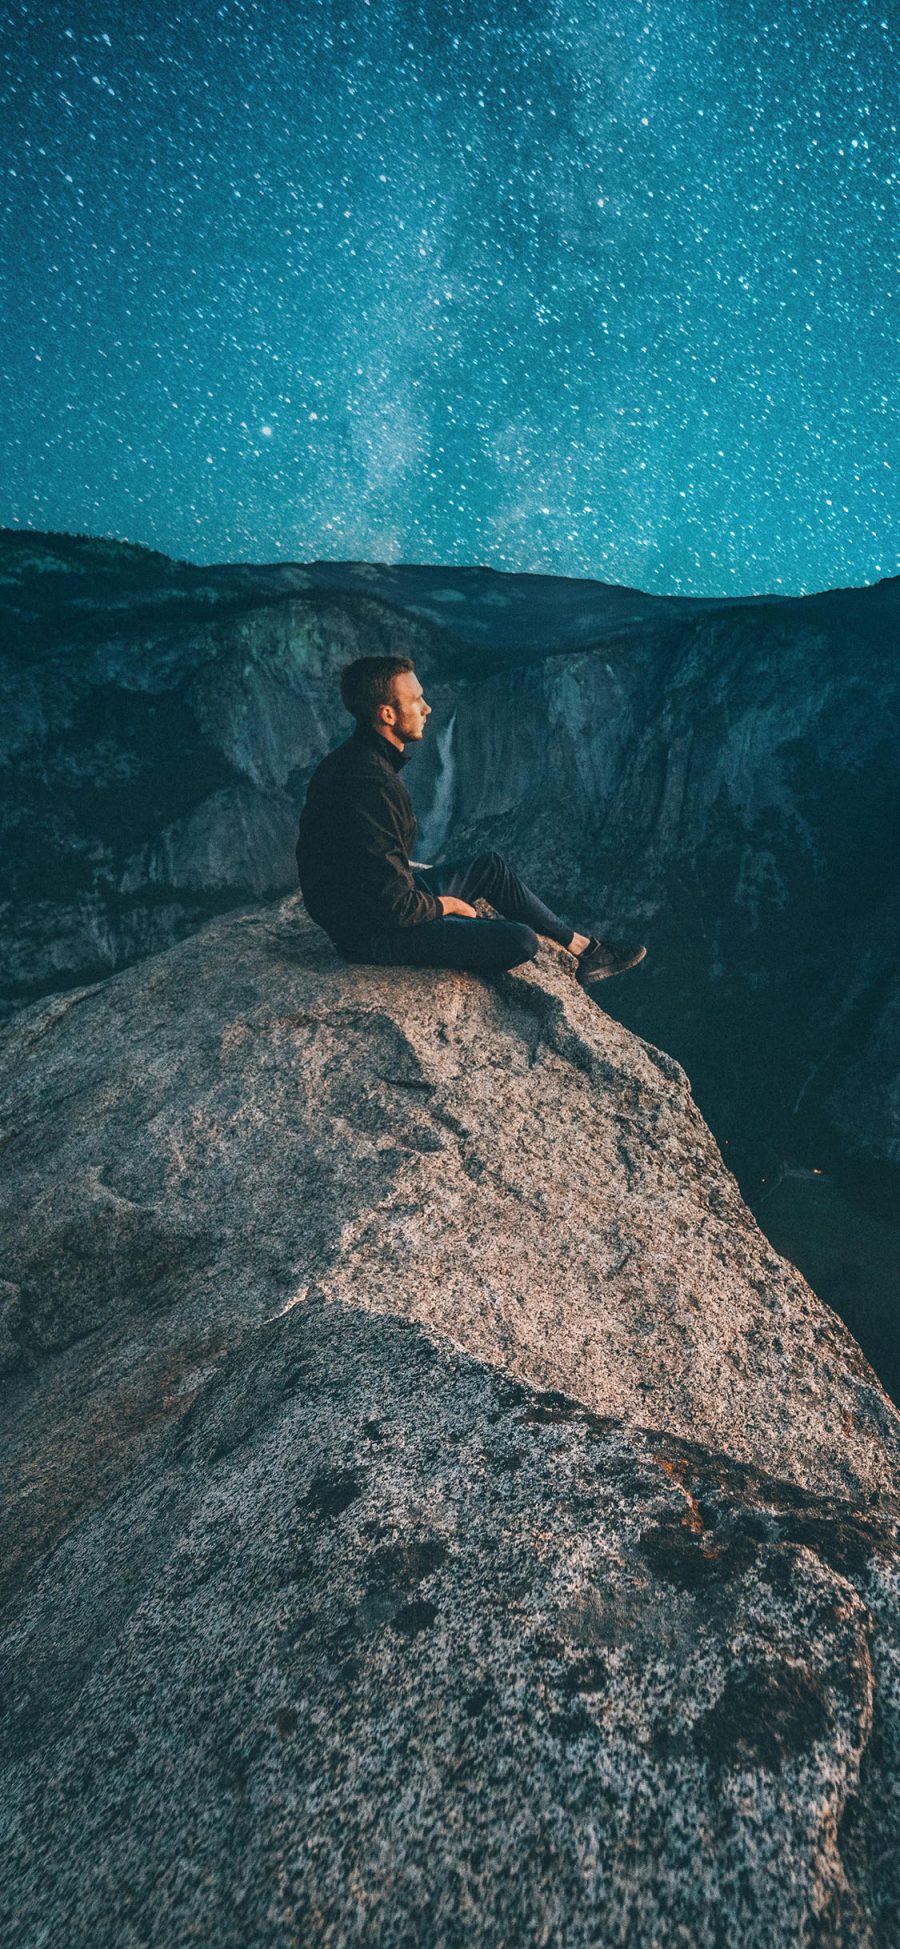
(357, 830)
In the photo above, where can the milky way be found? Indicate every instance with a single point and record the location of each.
(598, 290)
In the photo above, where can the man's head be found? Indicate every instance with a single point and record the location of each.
(385, 692)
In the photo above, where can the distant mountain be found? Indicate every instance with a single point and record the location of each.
(719, 774)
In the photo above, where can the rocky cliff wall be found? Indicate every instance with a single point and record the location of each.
(159, 726)
(434, 1512)
(728, 787)
(721, 775)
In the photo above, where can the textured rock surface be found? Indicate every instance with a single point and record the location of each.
(350, 1595)
(384, 1648)
(245, 1121)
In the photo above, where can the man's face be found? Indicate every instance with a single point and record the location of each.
(408, 710)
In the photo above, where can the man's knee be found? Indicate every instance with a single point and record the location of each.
(526, 940)
(492, 868)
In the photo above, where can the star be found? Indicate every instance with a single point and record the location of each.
(594, 291)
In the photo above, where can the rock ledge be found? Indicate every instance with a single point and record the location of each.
(437, 1515)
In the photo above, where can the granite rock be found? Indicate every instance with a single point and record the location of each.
(383, 1647)
(434, 1513)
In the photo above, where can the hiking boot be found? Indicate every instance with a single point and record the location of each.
(602, 958)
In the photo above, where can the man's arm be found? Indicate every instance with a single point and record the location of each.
(381, 875)
(448, 903)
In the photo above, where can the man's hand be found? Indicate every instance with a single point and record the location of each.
(450, 905)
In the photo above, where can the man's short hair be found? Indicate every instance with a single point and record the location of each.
(369, 682)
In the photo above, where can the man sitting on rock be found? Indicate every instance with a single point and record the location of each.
(357, 831)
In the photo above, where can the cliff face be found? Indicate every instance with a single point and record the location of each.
(159, 727)
(435, 1513)
(721, 775)
(725, 784)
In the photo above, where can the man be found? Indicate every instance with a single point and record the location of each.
(357, 831)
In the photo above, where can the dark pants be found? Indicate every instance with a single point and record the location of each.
(457, 942)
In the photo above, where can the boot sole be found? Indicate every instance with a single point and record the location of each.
(605, 974)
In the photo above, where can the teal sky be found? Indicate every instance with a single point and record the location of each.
(591, 289)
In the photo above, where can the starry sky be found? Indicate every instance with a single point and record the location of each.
(591, 289)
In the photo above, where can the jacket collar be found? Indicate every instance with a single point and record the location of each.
(367, 736)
